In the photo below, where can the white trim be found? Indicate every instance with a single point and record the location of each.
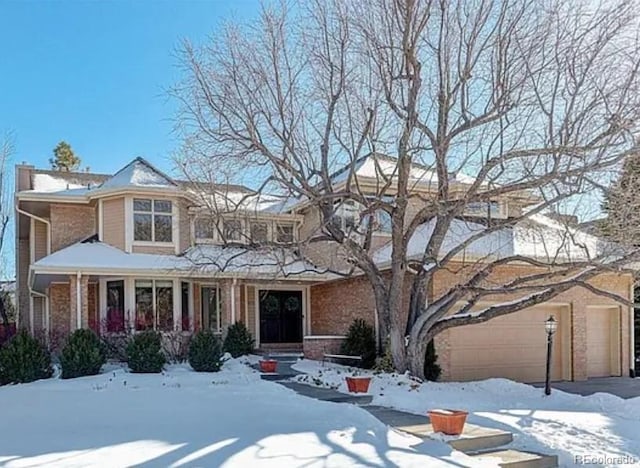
(31, 313)
(32, 241)
(100, 220)
(232, 288)
(128, 223)
(246, 305)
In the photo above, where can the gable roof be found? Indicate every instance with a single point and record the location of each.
(138, 173)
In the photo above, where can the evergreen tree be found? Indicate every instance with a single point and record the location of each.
(64, 159)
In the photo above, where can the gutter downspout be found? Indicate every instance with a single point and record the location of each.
(42, 220)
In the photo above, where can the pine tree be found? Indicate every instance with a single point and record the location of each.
(64, 159)
(622, 205)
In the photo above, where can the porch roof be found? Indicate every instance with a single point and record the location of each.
(98, 258)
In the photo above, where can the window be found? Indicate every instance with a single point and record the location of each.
(115, 306)
(152, 220)
(211, 308)
(232, 230)
(185, 291)
(154, 305)
(259, 233)
(205, 227)
(346, 215)
(284, 233)
(383, 222)
(483, 209)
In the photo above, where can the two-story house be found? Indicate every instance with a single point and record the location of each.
(139, 250)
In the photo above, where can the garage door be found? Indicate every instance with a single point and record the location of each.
(602, 341)
(513, 346)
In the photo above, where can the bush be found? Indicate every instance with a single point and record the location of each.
(205, 352)
(83, 354)
(361, 341)
(144, 353)
(238, 341)
(175, 346)
(24, 359)
(431, 368)
(384, 363)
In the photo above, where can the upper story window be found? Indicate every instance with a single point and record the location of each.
(493, 208)
(346, 215)
(205, 228)
(152, 220)
(284, 233)
(259, 232)
(383, 222)
(232, 230)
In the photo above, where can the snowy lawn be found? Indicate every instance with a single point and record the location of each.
(600, 425)
(183, 418)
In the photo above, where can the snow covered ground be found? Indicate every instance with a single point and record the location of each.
(183, 418)
(600, 426)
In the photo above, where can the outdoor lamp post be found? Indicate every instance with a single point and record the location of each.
(550, 326)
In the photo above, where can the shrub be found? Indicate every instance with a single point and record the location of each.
(205, 352)
(175, 346)
(384, 363)
(144, 353)
(238, 341)
(361, 341)
(431, 368)
(83, 354)
(24, 359)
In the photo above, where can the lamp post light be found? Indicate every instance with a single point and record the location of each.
(550, 326)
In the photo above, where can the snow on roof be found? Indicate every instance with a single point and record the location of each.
(538, 237)
(138, 173)
(63, 183)
(209, 259)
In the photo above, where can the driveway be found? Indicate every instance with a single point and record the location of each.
(624, 387)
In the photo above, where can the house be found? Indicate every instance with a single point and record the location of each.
(139, 250)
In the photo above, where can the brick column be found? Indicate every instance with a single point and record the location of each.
(579, 339)
(84, 302)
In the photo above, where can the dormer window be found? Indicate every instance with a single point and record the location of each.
(152, 220)
(493, 209)
(284, 233)
(259, 232)
(232, 230)
(346, 215)
(205, 228)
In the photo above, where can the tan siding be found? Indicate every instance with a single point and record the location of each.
(251, 309)
(71, 224)
(40, 240)
(22, 283)
(113, 230)
(184, 226)
(153, 249)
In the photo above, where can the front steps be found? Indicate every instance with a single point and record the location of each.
(509, 458)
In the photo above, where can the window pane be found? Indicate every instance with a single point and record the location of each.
(259, 232)
(144, 305)
(164, 305)
(210, 316)
(185, 306)
(384, 221)
(162, 206)
(140, 204)
(115, 306)
(232, 230)
(204, 228)
(285, 233)
(142, 227)
(163, 228)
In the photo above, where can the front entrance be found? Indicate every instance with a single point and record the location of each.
(280, 316)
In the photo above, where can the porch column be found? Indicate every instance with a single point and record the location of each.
(579, 335)
(78, 301)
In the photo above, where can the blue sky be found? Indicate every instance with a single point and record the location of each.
(95, 73)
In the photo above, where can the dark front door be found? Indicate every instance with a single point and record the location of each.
(281, 317)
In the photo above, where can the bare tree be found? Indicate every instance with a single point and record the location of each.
(475, 101)
(6, 151)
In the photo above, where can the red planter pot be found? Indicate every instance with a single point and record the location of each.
(450, 422)
(358, 384)
(268, 365)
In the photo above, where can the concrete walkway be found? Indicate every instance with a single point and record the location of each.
(624, 387)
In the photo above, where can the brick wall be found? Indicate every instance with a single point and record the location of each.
(59, 307)
(70, 224)
(316, 348)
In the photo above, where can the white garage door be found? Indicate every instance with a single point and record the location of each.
(602, 341)
(513, 346)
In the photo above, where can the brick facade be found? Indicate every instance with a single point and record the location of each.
(315, 347)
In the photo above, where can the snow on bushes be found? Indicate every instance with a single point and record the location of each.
(238, 341)
(205, 352)
(24, 359)
(84, 354)
(144, 353)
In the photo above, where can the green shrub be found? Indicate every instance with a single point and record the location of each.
(24, 359)
(205, 352)
(360, 341)
(83, 354)
(144, 353)
(384, 363)
(238, 341)
(431, 368)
